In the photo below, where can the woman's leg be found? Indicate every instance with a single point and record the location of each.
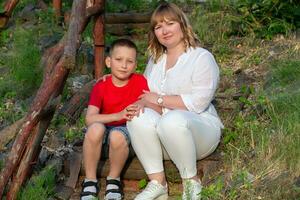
(146, 144)
(187, 137)
(145, 141)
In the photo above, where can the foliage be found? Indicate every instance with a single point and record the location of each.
(142, 183)
(264, 19)
(40, 186)
(75, 132)
(269, 17)
(268, 132)
(283, 89)
(24, 62)
(130, 5)
(22, 5)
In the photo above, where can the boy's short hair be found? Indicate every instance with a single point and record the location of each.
(123, 42)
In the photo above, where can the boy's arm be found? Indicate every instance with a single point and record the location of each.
(92, 115)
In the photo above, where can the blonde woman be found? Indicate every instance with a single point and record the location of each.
(182, 79)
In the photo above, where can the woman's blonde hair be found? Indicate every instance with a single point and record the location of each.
(169, 11)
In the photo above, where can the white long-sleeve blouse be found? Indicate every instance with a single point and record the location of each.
(194, 77)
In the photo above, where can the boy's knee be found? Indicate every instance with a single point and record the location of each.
(117, 140)
(95, 132)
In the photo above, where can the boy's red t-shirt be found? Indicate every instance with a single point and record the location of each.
(112, 99)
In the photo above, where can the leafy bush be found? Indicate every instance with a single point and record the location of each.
(267, 18)
(263, 19)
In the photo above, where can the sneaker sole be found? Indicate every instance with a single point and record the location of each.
(162, 197)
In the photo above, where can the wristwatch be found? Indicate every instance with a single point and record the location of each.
(160, 100)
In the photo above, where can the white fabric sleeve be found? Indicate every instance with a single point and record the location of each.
(148, 68)
(204, 83)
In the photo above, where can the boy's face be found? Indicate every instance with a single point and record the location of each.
(122, 62)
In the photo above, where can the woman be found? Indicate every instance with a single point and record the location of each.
(182, 78)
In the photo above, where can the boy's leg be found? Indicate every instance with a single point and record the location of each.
(92, 149)
(118, 154)
(91, 154)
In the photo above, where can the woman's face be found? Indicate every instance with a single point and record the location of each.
(169, 33)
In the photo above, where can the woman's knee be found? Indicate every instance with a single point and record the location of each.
(172, 121)
(117, 140)
(95, 133)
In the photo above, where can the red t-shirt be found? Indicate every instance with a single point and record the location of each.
(112, 99)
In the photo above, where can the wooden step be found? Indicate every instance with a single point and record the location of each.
(134, 170)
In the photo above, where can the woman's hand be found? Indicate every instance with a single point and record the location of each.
(104, 77)
(150, 97)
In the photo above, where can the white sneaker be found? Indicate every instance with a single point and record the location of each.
(153, 191)
(191, 190)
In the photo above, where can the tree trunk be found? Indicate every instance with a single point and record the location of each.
(54, 76)
(98, 34)
(57, 5)
(32, 150)
(8, 8)
(74, 107)
(8, 133)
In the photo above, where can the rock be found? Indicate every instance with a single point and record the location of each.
(54, 142)
(85, 59)
(43, 156)
(4, 70)
(77, 82)
(28, 13)
(47, 41)
(63, 192)
(297, 182)
(57, 163)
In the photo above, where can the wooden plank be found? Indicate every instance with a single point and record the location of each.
(135, 171)
(75, 165)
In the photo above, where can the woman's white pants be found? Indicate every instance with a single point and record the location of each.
(182, 136)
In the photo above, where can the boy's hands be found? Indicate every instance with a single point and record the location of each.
(128, 113)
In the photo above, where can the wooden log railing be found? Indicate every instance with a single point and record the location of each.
(58, 61)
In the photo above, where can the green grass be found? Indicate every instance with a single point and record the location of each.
(23, 60)
(265, 146)
(39, 187)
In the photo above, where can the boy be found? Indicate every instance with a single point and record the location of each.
(111, 105)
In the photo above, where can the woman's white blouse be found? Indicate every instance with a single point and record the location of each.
(194, 77)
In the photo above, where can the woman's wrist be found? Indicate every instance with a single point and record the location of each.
(160, 100)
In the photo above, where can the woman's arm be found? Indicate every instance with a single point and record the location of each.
(203, 84)
(168, 101)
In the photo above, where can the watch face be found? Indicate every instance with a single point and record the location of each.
(160, 100)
